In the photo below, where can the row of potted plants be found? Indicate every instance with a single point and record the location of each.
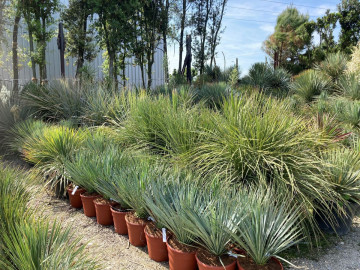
(180, 218)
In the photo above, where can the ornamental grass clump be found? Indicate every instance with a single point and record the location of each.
(342, 170)
(271, 225)
(30, 242)
(50, 149)
(309, 84)
(334, 66)
(163, 125)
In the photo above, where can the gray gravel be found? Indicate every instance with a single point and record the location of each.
(344, 255)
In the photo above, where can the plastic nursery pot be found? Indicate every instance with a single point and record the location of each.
(88, 203)
(180, 256)
(119, 219)
(245, 263)
(207, 261)
(136, 228)
(340, 225)
(156, 247)
(103, 212)
(75, 199)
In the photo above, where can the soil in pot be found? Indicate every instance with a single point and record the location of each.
(136, 228)
(88, 203)
(246, 263)
(181, 256)
(103, 212)
(118, 215)
(207, 261)
(156, 247)
(75, 199)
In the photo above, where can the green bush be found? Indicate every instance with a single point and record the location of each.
(334, 66)
(308, 85)
(349, 86)
(264, 77)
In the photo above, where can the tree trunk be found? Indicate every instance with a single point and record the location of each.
(213, 46)
(182, 27)
(15, 58)
(31, 44)
(166, 20)
(203, 38)
(43, 50)
(81, 51)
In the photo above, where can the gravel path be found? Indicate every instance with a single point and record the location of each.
(112, 249)
(344, 255)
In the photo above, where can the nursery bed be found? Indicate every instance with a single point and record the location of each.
(112, 249)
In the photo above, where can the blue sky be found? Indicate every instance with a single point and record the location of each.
(248, 23)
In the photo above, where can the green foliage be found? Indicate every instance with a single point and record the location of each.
(37, 245)
(50, 149)
(349, 86)
(166, 199)
(55, 101)
(334, 66)
(350, 25)
(211, 94)
(308, 85)
(264, 77)
(269, 227)
(29, 242)
(209, 219)
(342, 168)
(290, 38)
(161, 124)
(347, 112)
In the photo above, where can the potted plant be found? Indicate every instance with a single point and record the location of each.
(130, 182)
(164, 200)
(106, 185)
(209, 216)
(271, 225)
(341, 168)
(74, 195)
(82, 169)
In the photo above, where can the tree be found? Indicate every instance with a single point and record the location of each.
(200, 19)
(290, 38)
(116, 31)
(79, 38)
(165, 9)
(180, 11)
(349, 19)
(41, 18)
(325, 27)
(216, 16)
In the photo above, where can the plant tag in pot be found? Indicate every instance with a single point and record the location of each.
(74, 190)
(233, 254)
(151, 219)
(164, 234)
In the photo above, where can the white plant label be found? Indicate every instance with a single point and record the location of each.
(164, 234)
(74, 190)
(151, 219)
(232, 254)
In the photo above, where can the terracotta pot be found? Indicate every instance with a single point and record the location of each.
(75, 200)
(276, 265)
(204, 266)
(88, 203)
(119, 221)
(180, 260)
(156, 247)
(103, 213)
(136, 228)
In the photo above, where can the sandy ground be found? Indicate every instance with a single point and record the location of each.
(115, 252)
